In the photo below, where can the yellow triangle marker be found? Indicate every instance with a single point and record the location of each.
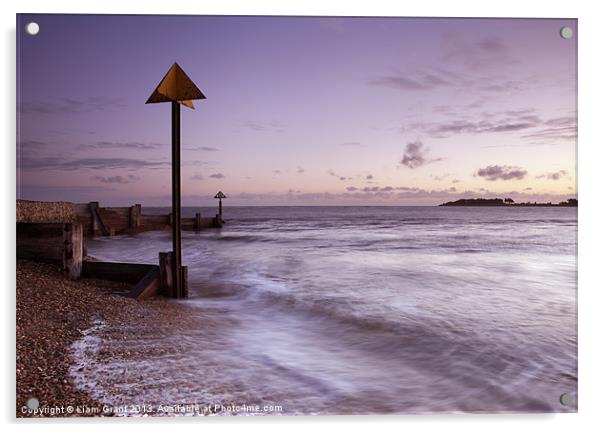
(176, 87)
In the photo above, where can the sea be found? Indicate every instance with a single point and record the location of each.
(365, 310)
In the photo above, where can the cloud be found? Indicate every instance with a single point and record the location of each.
(72, 105)
(486, 122)
(202, 149)
(69, 193)
(197, 176)
(440, 177)
(262, 126)
(352, 144)
(351, 188)
(102, 145)
(487, 53)
(27, 147)
(300, 170)
(369, 177)
(505, 172)
(553, 175)
(57, 163)
(414, 155)
(555, 129)
(445, 129)
(217, 176)
(491, 44)
(196, 163)
(419, 82)
(117, 179)
(277, 172)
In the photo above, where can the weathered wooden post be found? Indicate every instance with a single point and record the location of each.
(220, 195)
(165, 273)
(135, 212)
(96, 228)
(73, 249)
(177, 88)
(197, 221)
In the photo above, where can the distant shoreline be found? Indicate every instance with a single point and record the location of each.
(507, 202)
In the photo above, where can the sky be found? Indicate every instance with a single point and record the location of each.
(299, 110)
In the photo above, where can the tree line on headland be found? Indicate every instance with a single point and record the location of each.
(506, 202)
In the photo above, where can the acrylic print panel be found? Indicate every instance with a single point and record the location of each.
(359, 216)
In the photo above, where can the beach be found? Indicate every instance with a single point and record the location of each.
(53, 313)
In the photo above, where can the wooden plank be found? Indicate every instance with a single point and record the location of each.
(148, 286)
(40, 242)
(115, 271)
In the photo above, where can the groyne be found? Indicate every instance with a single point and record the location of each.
(57, 232)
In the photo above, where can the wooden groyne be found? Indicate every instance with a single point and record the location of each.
(57, 232)
(63, 244)
(108, 221)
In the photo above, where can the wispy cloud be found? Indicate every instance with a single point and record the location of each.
(72, 105)
(339, 176)
(26, 147)
(418, 82)
(555, 130)
(61, 193)
(501, 172)
(217, 176)
(505, 122)
(201, 149)
(262, 126)
(557, 175)
(103, 145)
(197, 176)
(440, 177)
(117, 179)
(486, 53)
(57, 163)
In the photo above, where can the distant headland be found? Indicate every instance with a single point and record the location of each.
(506, 202)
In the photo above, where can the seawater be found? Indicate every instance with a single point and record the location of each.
(343, 310)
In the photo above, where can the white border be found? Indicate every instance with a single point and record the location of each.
(590, 73)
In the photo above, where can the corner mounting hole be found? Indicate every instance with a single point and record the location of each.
(566, 32)
(32, 28)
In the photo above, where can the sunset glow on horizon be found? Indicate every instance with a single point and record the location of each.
(299, 110)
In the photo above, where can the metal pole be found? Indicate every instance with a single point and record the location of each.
(175, 199)
(220, 208)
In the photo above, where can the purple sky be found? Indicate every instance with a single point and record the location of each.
(299, 111)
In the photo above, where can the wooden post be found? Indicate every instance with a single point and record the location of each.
(96, 229)
(166, 275)
(73, 250)
(176, 196)
(135, 212)
(184, 292)
(220, 209)
(197, 221)
(177, 88)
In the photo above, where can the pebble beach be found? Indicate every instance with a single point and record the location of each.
(53, 313)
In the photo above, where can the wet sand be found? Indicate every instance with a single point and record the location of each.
(54, 312)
